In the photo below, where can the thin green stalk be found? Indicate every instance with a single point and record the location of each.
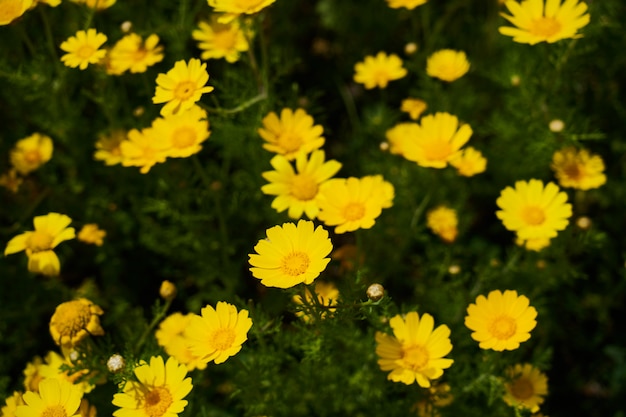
(49, 37)
(156, 320)
(254, 66)
(22, 34)
(248, 103)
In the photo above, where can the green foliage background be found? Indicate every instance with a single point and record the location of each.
(193, 221)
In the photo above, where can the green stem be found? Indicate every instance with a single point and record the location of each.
(156, 320)
(49, 37)
(22, 33)
(253, 62)
(248, 103)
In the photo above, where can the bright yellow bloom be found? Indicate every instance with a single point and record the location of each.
(73, 321)
(532, 210)
(218, 333)
(469, 162)
(182, 86)
(221, 40)
(398, 135)
(96, 4)
(55, 398)
(443, 222)
(291, 255)
(292, 134)
(447, 65)
(91, 234)
(158, 391)
(83, 49)
(12, 9)
(298, 190)
(501, 321)
(235, 8)
(11, 181)
(544, 20)
(379, 70)
(11, 404)
(415, 352)
(30, 153)
(354, 203)
(132, 53)
(108, 147)
(526, 387)
(171, 336)
(578, 169)
(409, 4)
(414, 107)
(183, 132)
(143, 149)
(327, 295)
(50, 230)
(437, 141)
(53, 368)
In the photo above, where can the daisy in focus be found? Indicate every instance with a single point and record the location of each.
(50, 230)
(221, 40)
(55, 398)
(578, 169)
(298, 190)
(108, 147)
(327, 295)
(217, 333)
(291, 254)
(182, 86)
(83, 49)
(12, 9)
(91, 234)
(291, 134)
(73, 321)
(469, 162)
(409, 4)
(30, 153)
(534, 211)
(158, 391)
(171, 336)
(414, 107)
(183, 133)
(443, 222)
(549, 21)
(378, 71)
(416, 351)
(501, 321)
(235, 8)
(526, 387)
(447, 65)
(134, 54)
(143, 149)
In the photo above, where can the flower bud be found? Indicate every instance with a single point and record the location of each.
(115, 363)
(167, 290)
(583, 222)
(410, 48)
(556, 125)
(375, 292)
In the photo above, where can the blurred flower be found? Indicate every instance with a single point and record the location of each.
(91, 234)
(50, 230)
(291, 254)
(525, 387)
(30, 153)
(116, 363)
(409, 4)
(550, 21)
(348, 257)
(532, 210)
(132, 53)
(298, 190)
(86, 409)
(12, 9)
(108, 147)
(144, 149)
(354, 203)
(167, 291)
(292, 134)
(11, 404)
(158, 391)
(536, 244)
(415, 352)
(182, 86)
(171, 336)
(83, 49)
(469, 162)
(327, 295)
(443, 222)
(414, 107)
(577, 168)
(55, 398)
(218, 333)
(73, 321)
(438, 396)
(96, 4)
(221, 40)
(501, 321)
(447, 65)
(11, 181)
(234, 8)
(183, 132)
(399, 134)
(54, 367)
(379, 70)
(51, 3)
(32, 374)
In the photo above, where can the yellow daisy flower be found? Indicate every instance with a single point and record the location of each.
(50, 230)
(526, 387)
(447, 65)
(83, 49)
(171, 336)
(182, 86)
(11, 404)
(501, 321)
(437, 141)
(91, 234)
(291, 254)
(30, 153)
(399, 134)
(298, 190)
(218, 333)
(143, 149)
(12, 9)
(183, 132)
(132, 53)
(73, 321)
(409, 4)
(221, 40)
(578, 169)
(53, 368)
(532, 210)
(415, 352)
(291, 134)
(469, 162)
(55, 398)
(108, 147)
(378, 71)
(443, 222)
(354, 203)
(11, 181)
(158, 391)
(235, 8)
(32, 374)
(414, 107)
(96, 4)
(544, 20)
(327, 295)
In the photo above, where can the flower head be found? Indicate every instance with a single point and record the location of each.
(83, 49)
(532, 210)
(11, 181)
(234, 8)
(50, 230)
(12, 9)
(30, 153)
(291, 134)
(443, 222)
(218, 333)
(291, 254)
(469, 162)
(578, 169)
(91, 234)
(414, 107)
(379, 70)
(526, 387)
(398, 135)
(54, 368)
(171, 336)
(501, 321)
(544, 20)
(158, 391)
(415, 352)
(409, 4)
(132, 53)
(447, 65)
(144, 149)
(221, 40)
(183, 132)
(182, 86)
(55, 398)
(298, 190)
(73, 321)
(108, 147)
(327, 295)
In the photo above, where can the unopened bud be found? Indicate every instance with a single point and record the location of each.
(583, 222)
(556, 125)
(116, 363)
(167, 290)
(375, 292)
(126, 26)
(410, 48)
(454, 269)
(384, 146)
(139, 111)
(515, 80)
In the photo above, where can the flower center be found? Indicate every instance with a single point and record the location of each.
(303, 187)
(522, 388)
(503, 327)
(184, 90)
(139, 54)
(54, 411)
(573, 171)
(544, 27)
(71, 317)
(416, 357)
(85, 52)
(222, 339)
(354, 211)
(437, 150)
(295, 263)
(40, 241)
(32, 157)
(183, 137)
(225, 40)
(289, 141)
(533, 215)
(158, 400)
(381, 77)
